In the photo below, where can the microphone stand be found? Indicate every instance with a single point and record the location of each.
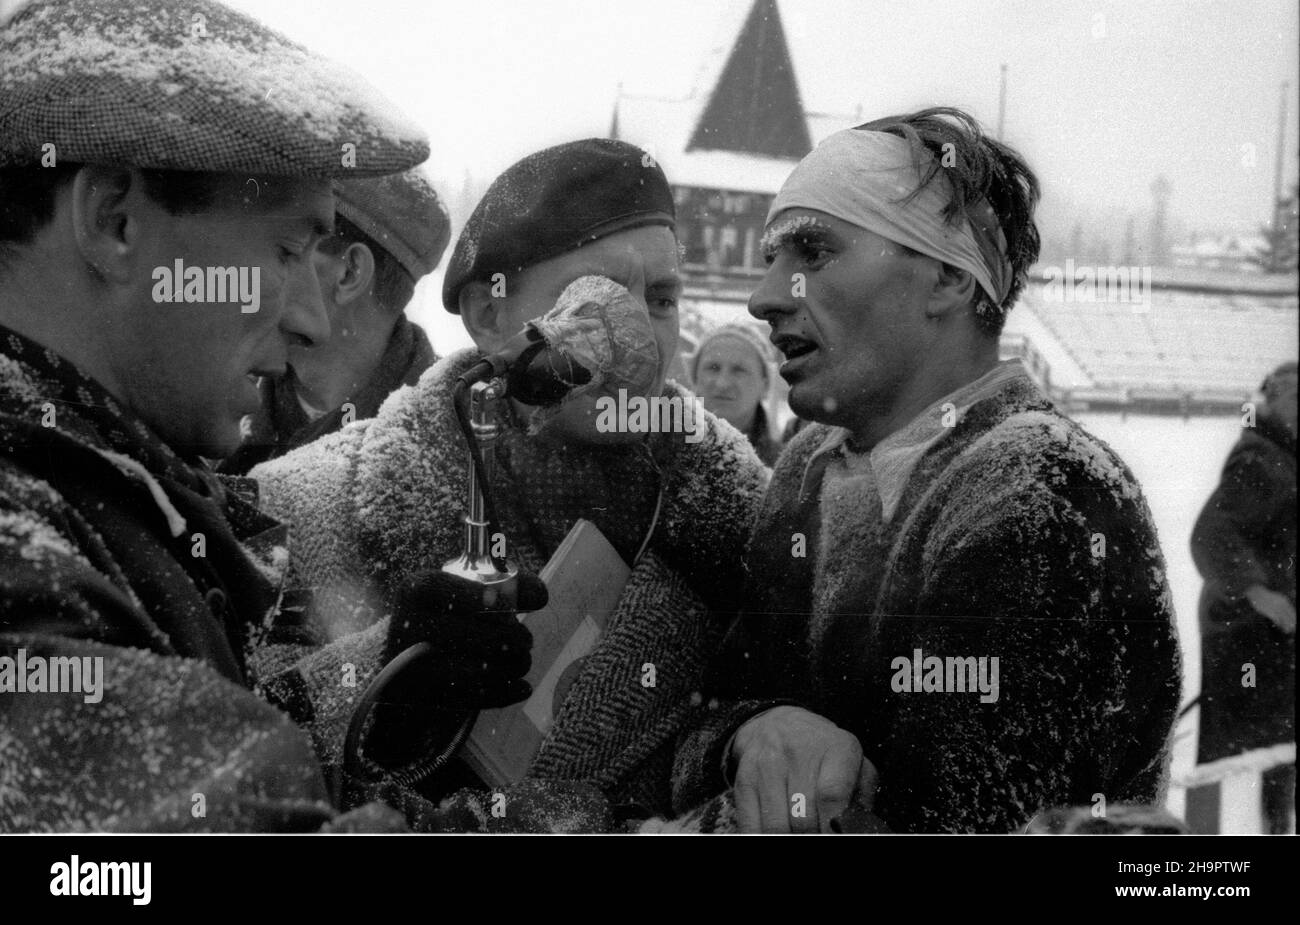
(475, 563)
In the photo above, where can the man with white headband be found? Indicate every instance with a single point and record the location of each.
(957, 603)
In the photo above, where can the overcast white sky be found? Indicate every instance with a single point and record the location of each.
(1103, 96)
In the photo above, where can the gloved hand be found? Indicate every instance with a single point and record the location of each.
(479, 651)
(477, 655)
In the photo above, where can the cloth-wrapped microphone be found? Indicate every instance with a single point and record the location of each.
(596, 339)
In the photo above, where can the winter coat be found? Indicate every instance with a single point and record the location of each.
(1017, 536)
(1246, 535)
(383, 499)
(113, 547)
(282, 425)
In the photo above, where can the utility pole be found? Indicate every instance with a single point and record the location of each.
(1276, 211)
(1002, 103)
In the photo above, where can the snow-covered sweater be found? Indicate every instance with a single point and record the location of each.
(384, 499)
(114, 548)
(1018, 536)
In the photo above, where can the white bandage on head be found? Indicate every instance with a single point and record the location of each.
(866, 178)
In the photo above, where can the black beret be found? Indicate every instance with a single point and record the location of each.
(187, 85)
(555, 201)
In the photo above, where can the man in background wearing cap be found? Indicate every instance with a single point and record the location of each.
(383, 499)
(140, 596)
(975, 602)
(389, 233)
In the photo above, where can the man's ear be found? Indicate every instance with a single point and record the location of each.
(106, 223)
(482, 315)
(357, 273)
(954, 289)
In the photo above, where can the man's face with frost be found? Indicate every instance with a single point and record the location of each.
(847, 309)
(644, 260)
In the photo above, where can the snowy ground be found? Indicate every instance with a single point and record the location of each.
(1178, 464)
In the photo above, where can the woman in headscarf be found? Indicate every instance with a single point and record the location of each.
(732, 373)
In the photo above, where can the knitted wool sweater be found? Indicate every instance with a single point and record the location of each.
(1018, 536)
(384, 498)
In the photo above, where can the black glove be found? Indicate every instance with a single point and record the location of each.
(478, 651)
(476, 656)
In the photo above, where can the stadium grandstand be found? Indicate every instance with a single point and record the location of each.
(1190, 345)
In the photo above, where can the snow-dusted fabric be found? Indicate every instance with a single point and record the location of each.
(1019, 536)
(402, 214)
(384, 498)
(188, 85)
(554, 201)
(91, 565)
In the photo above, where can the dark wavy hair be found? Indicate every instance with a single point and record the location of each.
(980, 167)
(27, 196)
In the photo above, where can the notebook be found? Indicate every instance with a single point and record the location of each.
(585, 579)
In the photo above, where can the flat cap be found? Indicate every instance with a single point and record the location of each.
(187, 85)
(555, 201)
(402, 214)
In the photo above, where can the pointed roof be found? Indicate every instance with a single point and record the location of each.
(755, 106)
(667, 127)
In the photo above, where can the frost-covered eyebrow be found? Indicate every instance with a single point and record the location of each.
(669, 284)
(783, 231)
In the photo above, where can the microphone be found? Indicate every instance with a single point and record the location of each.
(597, 336)
(535, 372)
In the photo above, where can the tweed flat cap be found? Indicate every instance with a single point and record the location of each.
(402, 214)
(187, 85)
(555, 201)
